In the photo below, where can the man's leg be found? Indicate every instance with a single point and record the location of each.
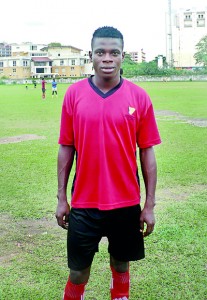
(75, 287)
(120, 279)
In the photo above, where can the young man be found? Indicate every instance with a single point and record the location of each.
(103, 119)
(54, 87)
(43, 88)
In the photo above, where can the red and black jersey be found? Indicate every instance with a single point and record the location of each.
(105, 130)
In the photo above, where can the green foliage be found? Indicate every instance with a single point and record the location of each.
(201, 54)
(54, 44)
(128, 60)
(133, 69)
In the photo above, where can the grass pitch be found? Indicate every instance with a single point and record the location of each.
(33, 247)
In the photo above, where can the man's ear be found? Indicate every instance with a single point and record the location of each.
(90, 55)
(123, 55)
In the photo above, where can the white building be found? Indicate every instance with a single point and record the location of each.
(27, 49)
(188, 27)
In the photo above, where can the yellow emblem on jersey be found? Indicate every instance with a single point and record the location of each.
(131, 110)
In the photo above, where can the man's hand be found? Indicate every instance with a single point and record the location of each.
(62, 214)
(147, 216)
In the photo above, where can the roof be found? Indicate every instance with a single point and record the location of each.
(60, 47)
(41, 59)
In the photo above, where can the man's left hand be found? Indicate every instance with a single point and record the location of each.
(147, 217)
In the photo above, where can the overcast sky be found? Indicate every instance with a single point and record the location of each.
(72, 22)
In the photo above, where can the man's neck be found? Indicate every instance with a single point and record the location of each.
(105, 84)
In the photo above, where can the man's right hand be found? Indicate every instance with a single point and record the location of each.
(62, 213)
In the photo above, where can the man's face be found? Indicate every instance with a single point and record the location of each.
(107, 55)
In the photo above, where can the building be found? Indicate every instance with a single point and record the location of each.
(5, 50)
(41, 67)
(27, 49)
(188, 27)
(15, 67)
(137, 56)
(68, 61)
(37, 60)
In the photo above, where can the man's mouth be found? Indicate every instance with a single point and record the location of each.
(107, 69)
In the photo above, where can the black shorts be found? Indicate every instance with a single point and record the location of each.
(87, 227)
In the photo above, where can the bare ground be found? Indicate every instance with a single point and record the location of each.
(20, 138)
(22, 236)
(167, 115)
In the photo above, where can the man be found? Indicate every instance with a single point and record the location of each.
(54, 87)
(43, 88)
(104, 117)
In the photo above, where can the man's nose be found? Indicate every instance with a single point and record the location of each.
(107, 57)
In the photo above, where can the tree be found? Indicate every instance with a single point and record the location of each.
(201, 54)
(128, 60)
(54, 44)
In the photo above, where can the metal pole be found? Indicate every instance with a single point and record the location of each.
(170, 35)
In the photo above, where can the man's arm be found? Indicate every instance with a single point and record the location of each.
(149, 172)
(64, 166)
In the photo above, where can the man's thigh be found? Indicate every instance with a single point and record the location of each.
(126, 242)
(83, 239)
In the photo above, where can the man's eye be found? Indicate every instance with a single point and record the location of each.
(99, 52)
(115, 53)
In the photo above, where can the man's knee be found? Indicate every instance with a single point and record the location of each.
(119, 266)
(79, 277)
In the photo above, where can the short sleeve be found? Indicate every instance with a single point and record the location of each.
(66, 125)
(147, 132)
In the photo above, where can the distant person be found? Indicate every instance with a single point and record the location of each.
(26, 85)
(35, 83)
(104, 119)
(43, 88)
(54, 88)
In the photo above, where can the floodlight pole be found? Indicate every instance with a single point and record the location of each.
(170, 54)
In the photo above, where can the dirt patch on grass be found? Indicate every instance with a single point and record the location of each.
(22, 236)
(18, 237)
(20, 138)
(167, 115)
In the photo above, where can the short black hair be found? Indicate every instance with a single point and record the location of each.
(107, 32)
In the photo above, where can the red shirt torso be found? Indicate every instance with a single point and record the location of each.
(105, 130)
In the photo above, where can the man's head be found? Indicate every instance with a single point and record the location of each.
(107, 52)
(107, 32)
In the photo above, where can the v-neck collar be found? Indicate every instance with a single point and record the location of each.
(100, 93)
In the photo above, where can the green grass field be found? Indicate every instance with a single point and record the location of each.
(33, 247)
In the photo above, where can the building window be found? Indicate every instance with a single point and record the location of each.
(1, 64)
(72, 68)
(40, 64)
(25, 63)
(188, 19)
(14, 63)
(201, 19)
(73, 62)
(200, 23)
(62, 62)
(14, 70)
(1, 70)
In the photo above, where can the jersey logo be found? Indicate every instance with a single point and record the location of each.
(131, 110)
